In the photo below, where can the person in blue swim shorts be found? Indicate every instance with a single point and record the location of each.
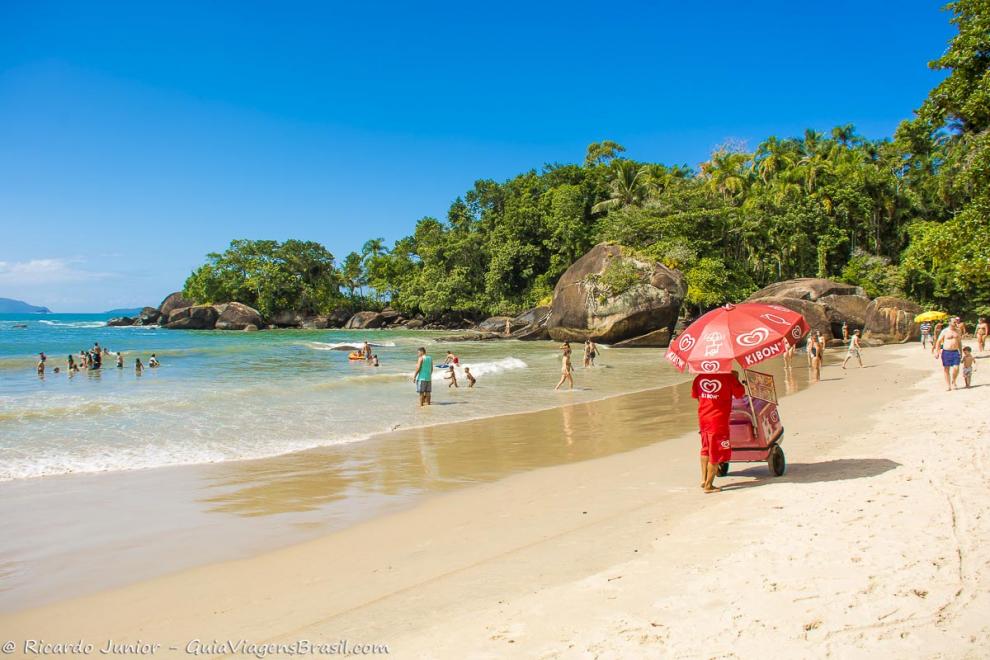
(949, 346)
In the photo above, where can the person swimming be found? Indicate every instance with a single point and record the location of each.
(374, 361)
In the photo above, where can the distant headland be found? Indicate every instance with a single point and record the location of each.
(11, 306)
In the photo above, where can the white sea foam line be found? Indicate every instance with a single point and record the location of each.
(75, 324)
(323, 346)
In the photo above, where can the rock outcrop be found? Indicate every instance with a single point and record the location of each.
(338, 318)
(193, 317)
(891, 320)
(850, 309)
(148, 316)
(365, 320)
(237, 316)
(288, 319)
(814, 313)
(608, 296)
(496, 324)
(653, 339)
(120, 321)
(807, 288)
(172, 302)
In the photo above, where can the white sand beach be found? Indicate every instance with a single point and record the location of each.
(870, 546)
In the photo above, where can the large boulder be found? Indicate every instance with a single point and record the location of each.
(148, 316)
(237, 316)
(120, 321)
(172, 302)
(814, 313)
(414, 324)
(316, 323)
(656, 339)
(497, 324)
(807, 288)
(608, 296)
(194, 317)
(363, 320)
(390, 316)
(848, 309)
(338, 318)
(288, 319)
(531, 316)
(891, 320)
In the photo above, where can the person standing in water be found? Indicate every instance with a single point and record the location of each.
(120, 360)
(566, 369)
(423, 377)
(815, 356)
(366, 351)
(138, 367)
(470, 378)
(854, 350)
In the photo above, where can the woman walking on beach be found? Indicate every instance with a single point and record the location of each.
(982, 330)
(566, 369)
(854, 350)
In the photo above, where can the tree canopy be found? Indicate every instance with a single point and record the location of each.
(906, 215)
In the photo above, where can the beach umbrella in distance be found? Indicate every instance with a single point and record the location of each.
(930, 316)
(748, 332)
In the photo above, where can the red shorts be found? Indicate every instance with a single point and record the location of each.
(715, 445)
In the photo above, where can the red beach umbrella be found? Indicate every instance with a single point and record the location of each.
(747, 332)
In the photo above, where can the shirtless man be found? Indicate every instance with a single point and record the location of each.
(949, 347)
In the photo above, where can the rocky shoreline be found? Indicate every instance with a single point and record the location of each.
(609, 296)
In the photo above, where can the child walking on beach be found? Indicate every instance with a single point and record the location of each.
(854, 350)
(968, 365)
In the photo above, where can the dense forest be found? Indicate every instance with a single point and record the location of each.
(907, 216)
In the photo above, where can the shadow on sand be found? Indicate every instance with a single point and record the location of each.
(839, 469)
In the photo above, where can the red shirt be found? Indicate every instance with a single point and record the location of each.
(714, 393)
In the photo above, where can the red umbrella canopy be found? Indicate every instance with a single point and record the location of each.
(747, 332)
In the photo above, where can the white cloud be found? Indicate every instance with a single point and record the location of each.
(47, 271)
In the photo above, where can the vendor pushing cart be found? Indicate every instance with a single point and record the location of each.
(738, 420)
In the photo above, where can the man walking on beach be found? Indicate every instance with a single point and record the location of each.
(423, 377)
(714, 393)
(949, 347)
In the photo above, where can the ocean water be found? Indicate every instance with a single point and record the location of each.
(227, 396)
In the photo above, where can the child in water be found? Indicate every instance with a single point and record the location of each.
(469, 376)
(120, 360)
(968, 364)
(374, 361)
(452, 377)
(153, 362)
(138, 367)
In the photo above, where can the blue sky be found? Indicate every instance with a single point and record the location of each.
(135, 137)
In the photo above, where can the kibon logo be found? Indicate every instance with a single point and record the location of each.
(754, 337)
(710, 366)
(796, 332)
(709, 386)
(686, 342)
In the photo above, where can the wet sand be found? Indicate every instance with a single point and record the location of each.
(72, 535)
(474, 554)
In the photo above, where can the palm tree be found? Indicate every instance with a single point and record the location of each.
(628, 186)
(725, 174)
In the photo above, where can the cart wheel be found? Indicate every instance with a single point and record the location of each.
(723, 469)
(776, 461)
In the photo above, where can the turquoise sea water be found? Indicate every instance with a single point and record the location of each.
(221, 396)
